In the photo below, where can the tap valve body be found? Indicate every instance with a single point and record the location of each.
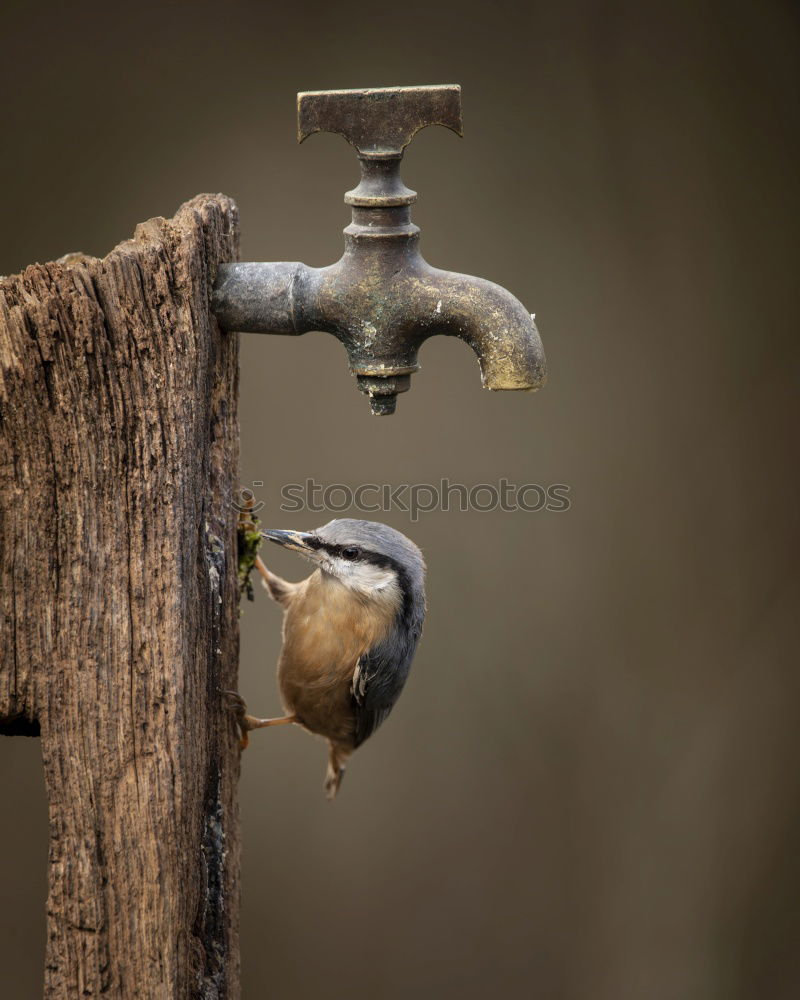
(382, 299)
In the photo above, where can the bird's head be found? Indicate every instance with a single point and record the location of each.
(368, 557)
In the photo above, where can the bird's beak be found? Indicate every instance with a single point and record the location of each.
(297, 541)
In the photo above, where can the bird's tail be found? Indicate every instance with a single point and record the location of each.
(337, 759)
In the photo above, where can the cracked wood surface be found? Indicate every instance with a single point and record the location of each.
(119, 602)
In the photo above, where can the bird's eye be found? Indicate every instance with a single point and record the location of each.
(351, 552)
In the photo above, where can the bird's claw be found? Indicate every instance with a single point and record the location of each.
(238, 708)
(236, 701)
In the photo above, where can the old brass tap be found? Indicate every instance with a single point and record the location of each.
(382, 299)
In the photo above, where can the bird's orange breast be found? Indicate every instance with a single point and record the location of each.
(327, 627)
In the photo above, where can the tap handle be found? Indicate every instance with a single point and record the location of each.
(379, 122)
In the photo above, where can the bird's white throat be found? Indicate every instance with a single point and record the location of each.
(378, 583)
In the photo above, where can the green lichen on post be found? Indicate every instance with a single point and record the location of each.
(248, 543)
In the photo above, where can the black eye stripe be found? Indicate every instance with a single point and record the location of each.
(331, 548)
(364, 555)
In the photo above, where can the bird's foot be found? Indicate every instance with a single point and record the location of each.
(238, 708)
(337, 758)
(245, 722)
(333, 781)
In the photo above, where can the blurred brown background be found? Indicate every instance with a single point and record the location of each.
(589, 788)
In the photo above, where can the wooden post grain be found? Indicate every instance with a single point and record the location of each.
(119, 602)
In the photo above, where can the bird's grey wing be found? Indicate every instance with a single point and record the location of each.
(378, 680)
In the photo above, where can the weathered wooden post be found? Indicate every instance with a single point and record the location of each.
(118, 602)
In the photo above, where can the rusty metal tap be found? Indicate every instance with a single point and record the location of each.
(382, 299)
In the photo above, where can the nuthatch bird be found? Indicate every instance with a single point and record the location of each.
(350, 631)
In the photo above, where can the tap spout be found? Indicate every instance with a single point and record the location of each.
(494, 323)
